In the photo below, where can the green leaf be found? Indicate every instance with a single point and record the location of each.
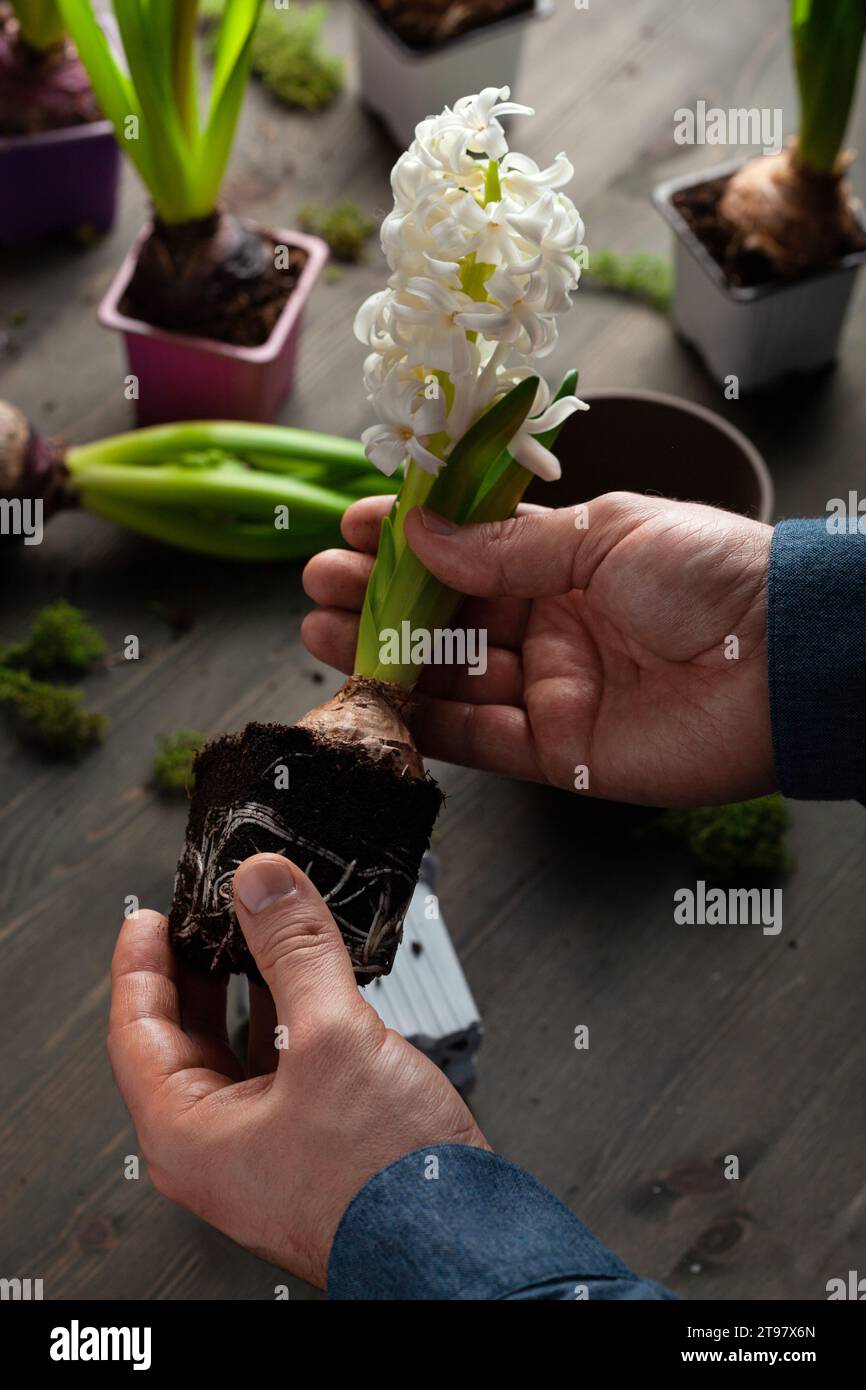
(827, 38)
(113, 88)
(181, 165)
(181, 37)
(406, 590)
(505, 485)
(147, 46)
(41, 22)
(388, 557)
(479, 450)
(232, 63)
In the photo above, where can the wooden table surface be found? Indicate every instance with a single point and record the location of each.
(704, 1043)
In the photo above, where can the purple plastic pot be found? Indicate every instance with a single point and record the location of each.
(57, 181)
(181, 377)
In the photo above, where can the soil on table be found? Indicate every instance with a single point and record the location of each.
(357, 830)
(699, 206)
(427, 23)
(41, 91)
(213, 278)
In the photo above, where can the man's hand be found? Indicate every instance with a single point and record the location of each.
(272, 1159)
(608, 646)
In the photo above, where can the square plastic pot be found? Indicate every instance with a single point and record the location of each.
(181, 377)
(403, 86)
(58, 181)
(758, 334)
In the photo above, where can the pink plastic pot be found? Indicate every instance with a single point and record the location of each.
(186, 378)
(58, 181)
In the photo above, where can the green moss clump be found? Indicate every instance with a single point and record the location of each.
(344, 227)
(748, 836)
(61, 638)
(643, 276)
(288, 55)
(172, 766)
(51, 715)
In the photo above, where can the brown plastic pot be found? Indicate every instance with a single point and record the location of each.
(649, 442)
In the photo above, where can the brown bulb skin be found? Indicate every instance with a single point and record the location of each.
(797, 219)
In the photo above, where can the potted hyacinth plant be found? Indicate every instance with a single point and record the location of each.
(481, 246)
(767, 251)
(59, 162)
(224, 488)
(414, 57)
(209, 305)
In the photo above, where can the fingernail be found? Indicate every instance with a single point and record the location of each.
(259, 883)
(439, 525)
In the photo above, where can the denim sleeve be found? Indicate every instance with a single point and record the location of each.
(816, 639)
(453, 1222)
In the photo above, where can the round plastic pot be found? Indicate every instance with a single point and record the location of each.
(648, 442)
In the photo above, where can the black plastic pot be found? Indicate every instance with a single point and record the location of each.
(648, 442)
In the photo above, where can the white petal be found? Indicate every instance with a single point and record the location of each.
(383, 449)
(423, 457)
(555, 415)
(534, 457)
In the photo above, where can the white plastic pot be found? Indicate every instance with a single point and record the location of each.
(403, 86)
(757, 334)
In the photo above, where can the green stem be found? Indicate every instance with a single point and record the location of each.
(492, 186)
(485, 485)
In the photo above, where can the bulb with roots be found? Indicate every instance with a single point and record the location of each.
(797, 218)
(369, 715)
(343, 793)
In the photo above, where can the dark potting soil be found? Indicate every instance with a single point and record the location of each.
(426, 23)
(699, 206)
(357, 829)
(41, 91)
(213, 278)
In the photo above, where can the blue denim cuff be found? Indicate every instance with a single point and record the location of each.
(453, 1222)
(816, 637)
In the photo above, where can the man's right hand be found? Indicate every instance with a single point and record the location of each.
(609, 646)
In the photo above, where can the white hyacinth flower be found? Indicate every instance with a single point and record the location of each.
(407, 420)
(481, 245)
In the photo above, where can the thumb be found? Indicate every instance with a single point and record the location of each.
(294, 940)
(535, 555)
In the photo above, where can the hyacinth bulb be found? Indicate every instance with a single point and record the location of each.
(798, 219)
(41, 90)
